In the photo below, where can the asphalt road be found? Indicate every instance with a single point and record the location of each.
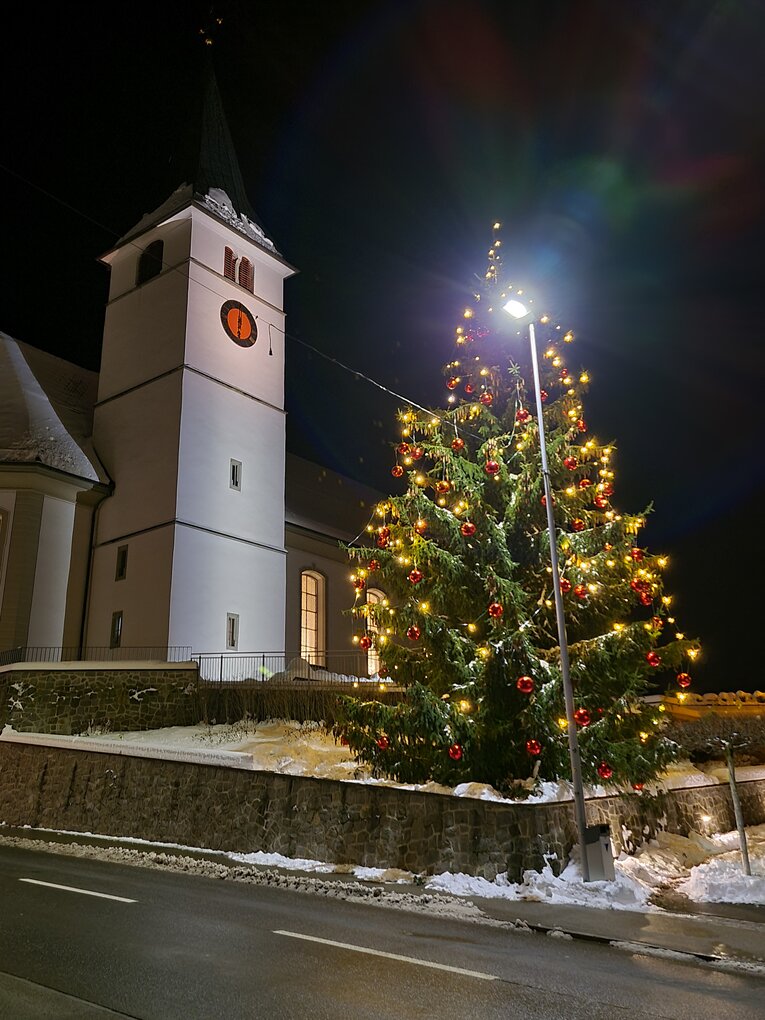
(173, 946)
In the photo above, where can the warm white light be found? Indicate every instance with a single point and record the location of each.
(516, 308)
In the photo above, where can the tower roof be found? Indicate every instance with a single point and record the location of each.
(213, 175)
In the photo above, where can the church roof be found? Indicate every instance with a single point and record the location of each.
(46, 411)
(324, 502)
(214, 177)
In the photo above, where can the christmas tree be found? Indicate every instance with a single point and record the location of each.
(454, 595)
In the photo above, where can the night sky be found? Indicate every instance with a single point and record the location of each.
(621, 144)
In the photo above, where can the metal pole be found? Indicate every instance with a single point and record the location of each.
(580, 813)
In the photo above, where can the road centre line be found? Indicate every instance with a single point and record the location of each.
(389, 956)
(72, 888)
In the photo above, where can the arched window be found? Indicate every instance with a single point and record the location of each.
(150, 262)
(246, 275)
(374, 598)
(313, 599)
(229, 264)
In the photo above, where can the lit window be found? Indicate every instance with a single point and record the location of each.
(374, 598)
(120, 572)
(246, 275)
(235, 475)
(312, 617)
(229, 264)
(232, 630)
(150, 262)
(115, 637)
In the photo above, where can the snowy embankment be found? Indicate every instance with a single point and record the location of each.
(700, 867)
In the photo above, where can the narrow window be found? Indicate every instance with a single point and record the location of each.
(229, 264)
(150, 262)
(374, 598)
(232, 630)
(246, 275)
(115, 637)
(120, 572)
(235, 475)
(312, 617)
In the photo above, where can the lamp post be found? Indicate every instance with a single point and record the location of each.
(518, 310)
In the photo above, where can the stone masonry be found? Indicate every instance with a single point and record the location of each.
(63, 698)
(231, 809)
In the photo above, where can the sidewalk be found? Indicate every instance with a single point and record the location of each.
(707, 937)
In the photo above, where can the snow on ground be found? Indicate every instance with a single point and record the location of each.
(705, 869)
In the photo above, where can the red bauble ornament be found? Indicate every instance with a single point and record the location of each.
(458, 444)
(383, 743)
(417, 453)
(604, 770)
(365, 643)
(581, 424)
(646, 599)
(487, 399)
(657, 623)
(607, 489)
(415, 576)
(525, 684)
(495, 610)
(404, 449)
(359, 584)
(543, 500)
(580, 590)
(373, 565)
(452, 382)
(653, 659)
(382, 541)
(585, 483)
(582, 717)
(522, 416)
(469, 388)
(600, 502)
(683, 680)
(543, 395)
(382, 671)
(442, 486)
(343, 741)
(467, 529)
(420, 527)
(413, 633)
(563, 374)
(491, 467)
(570, 463)
(533, 747)
(397, 471)
(565, 585)
(638, 786)
(640, 586)
(455, 752)
(637, 555)
(577, 524)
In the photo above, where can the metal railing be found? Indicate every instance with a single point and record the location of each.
(95, 653)
(275, 668)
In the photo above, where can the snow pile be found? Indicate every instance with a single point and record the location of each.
(721, 879)
(218, 202)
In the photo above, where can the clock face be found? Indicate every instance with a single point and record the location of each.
(239, 323)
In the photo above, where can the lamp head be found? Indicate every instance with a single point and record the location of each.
(516, 308)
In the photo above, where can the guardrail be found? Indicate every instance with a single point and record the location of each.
(95, 653)
(282, 668)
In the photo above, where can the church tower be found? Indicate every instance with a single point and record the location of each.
(189, 423)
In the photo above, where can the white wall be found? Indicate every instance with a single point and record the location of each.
(220, 424)
(213, 576)
(143, 596)
(46, 623)
(7, 503)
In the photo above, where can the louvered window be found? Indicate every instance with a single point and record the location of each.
(150, 262)
(229, 264)
(246, 275)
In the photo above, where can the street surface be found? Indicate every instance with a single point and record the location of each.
(83, 939)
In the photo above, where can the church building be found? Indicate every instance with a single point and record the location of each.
(142, 508)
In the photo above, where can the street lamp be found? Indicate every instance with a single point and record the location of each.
(519, 311)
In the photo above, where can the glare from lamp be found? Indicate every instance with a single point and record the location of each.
(516, 308)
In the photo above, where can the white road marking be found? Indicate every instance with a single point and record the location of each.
(390, 956)
(72, 888)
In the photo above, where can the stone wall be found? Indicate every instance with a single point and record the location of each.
(229, 809)
(77, 698)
